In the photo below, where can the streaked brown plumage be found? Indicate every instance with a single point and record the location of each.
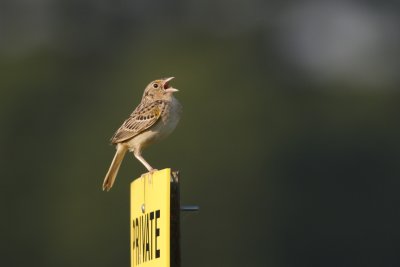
(153, 119)
(143, 117)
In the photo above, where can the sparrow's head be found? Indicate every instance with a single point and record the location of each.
(159, 89)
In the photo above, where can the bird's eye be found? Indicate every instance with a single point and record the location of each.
(155, 85)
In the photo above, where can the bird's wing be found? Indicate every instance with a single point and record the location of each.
(142, 118)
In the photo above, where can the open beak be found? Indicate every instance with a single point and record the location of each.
(166, 86)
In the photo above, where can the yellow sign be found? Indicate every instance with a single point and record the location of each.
(150, 220)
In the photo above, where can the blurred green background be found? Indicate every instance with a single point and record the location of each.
(289, 140)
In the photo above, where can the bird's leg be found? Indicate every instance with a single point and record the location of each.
(143, 161)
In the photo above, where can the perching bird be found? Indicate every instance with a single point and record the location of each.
(153, 119)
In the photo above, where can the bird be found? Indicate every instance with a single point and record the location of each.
(156, 116)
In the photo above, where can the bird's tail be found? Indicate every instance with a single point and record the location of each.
(112, 172)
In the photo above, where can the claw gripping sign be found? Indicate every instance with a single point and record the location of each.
(150, 220)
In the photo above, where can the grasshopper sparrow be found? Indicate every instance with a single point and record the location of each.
(153, 119)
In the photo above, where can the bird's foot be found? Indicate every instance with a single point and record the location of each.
(153, 171)
(149, 174)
